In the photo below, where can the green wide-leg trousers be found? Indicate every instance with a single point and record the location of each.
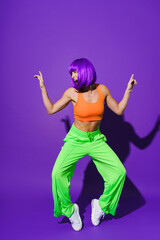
(77, 145)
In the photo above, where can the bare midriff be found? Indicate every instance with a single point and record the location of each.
(87, 126)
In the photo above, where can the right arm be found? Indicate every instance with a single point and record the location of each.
(60, 104)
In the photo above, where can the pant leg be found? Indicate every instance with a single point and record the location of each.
(61, 175)
(113, 173)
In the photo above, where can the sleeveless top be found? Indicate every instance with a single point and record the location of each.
(85, 111)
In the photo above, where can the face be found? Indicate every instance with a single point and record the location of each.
(74, 76)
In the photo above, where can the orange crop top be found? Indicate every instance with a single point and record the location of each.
(85, 111)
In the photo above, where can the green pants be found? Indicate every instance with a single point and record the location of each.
(77, 145)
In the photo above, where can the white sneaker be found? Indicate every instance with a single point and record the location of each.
(96, 213)
(75, 219)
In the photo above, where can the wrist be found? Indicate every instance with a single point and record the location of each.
(43, 88)
(128, 91)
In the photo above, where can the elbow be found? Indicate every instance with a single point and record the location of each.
(120, 112)
(50, 111)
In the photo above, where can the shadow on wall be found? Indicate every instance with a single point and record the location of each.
(119, 134)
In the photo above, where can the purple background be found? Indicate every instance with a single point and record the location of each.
(120, 38)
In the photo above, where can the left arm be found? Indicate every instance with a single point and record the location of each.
(119, 108)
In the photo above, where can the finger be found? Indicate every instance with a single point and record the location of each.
(40, 73)
(36, 76)
(132, 76)
(135, 82)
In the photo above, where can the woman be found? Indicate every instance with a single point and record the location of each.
(85, 138)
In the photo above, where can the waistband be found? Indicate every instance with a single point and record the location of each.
(85, 134)
(76, 135)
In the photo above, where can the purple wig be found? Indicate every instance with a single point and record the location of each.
(85, 71)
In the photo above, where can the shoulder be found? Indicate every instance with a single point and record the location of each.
(104, 89)
(70, 92)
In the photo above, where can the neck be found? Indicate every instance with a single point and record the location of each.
(89, 88)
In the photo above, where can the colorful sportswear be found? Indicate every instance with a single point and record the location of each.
(77, 145)
(86, 111)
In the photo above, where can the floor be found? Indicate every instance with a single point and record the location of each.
(31, 217)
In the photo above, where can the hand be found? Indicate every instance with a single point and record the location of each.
(40, 78)
(131, 83)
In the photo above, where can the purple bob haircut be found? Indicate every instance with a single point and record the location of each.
(85, 71)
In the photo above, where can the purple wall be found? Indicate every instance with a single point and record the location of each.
(120, 38)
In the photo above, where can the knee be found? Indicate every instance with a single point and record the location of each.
(117, 176)
(120, 174)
